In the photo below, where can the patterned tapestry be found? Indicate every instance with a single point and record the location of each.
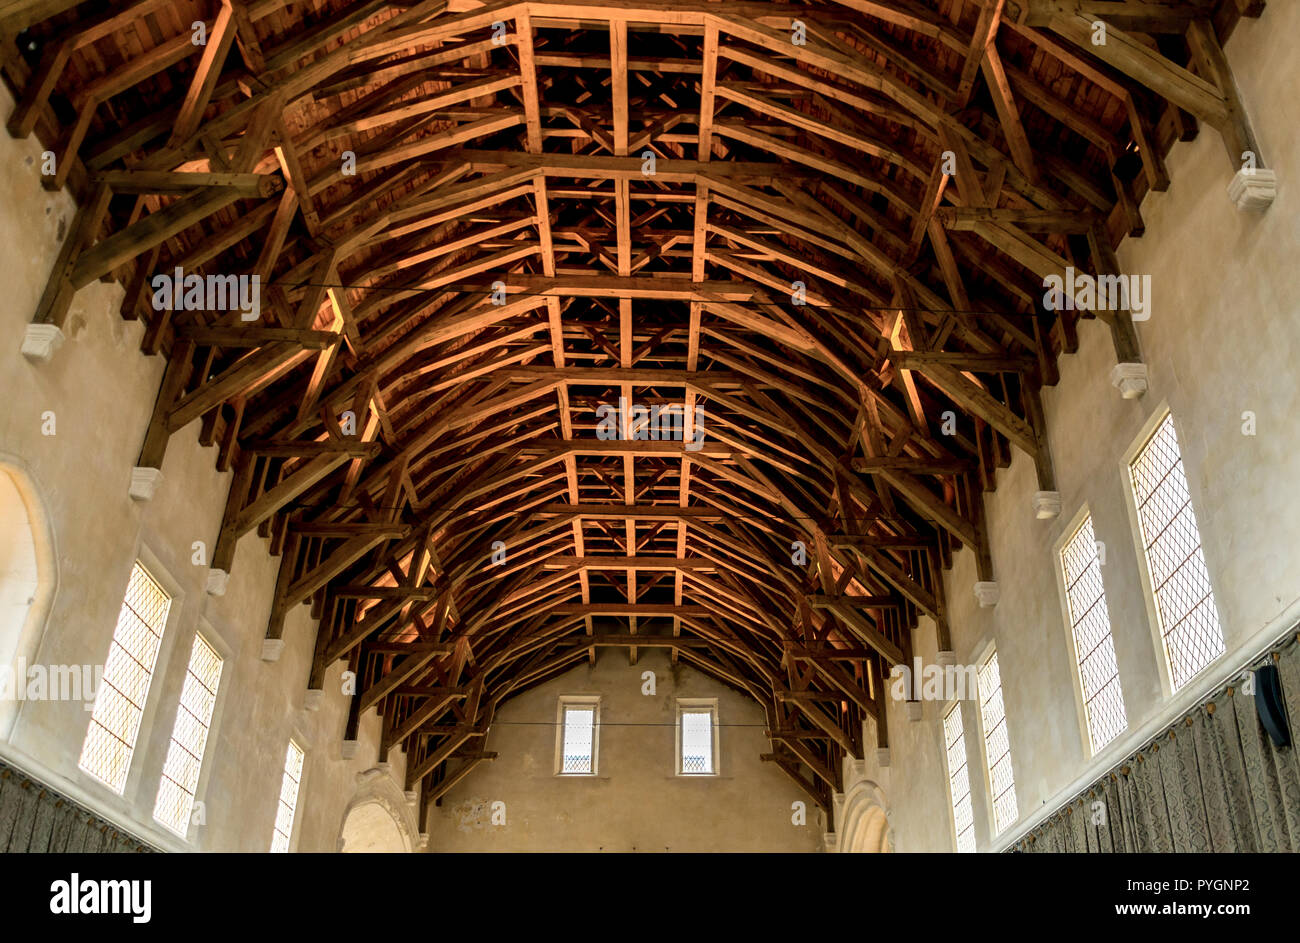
(1213, 781)
(35, 818)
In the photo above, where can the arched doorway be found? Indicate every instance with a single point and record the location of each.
(872, 833)
(28, 576)
(378, 820)
(866, 823)
(370, 828)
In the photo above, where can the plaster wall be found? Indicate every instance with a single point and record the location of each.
(100, 390)
(635, 802)
(1223, 339)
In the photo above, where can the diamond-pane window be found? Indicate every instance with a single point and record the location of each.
(1093, 645)
(959, 780)
(997, 745)
(578, 754)
(1171, 541)
(128, 671)
(697, 742)
(180, 776)
(284, 815)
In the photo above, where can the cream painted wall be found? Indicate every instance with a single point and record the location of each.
(635, 802)
(1223, 338)
(101, 390)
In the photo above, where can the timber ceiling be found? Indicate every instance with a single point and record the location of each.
(556, 205)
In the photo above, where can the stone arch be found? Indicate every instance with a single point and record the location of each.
(28, 577)
(378, 819)
(866, 825)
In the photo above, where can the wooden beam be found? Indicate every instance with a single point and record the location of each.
(1238, 135)
(219, 40)
(1147, 66)
(61, 286)
(154, 229)
(1008, 113)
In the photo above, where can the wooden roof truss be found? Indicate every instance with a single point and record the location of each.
(815, 232)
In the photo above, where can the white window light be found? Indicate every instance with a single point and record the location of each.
(577, 741)
(1171, 542)
(288, 807)
(963, 817)
(697, 738)
(128, 672)
(180, 776)
(997, 745)
(1094, 648)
